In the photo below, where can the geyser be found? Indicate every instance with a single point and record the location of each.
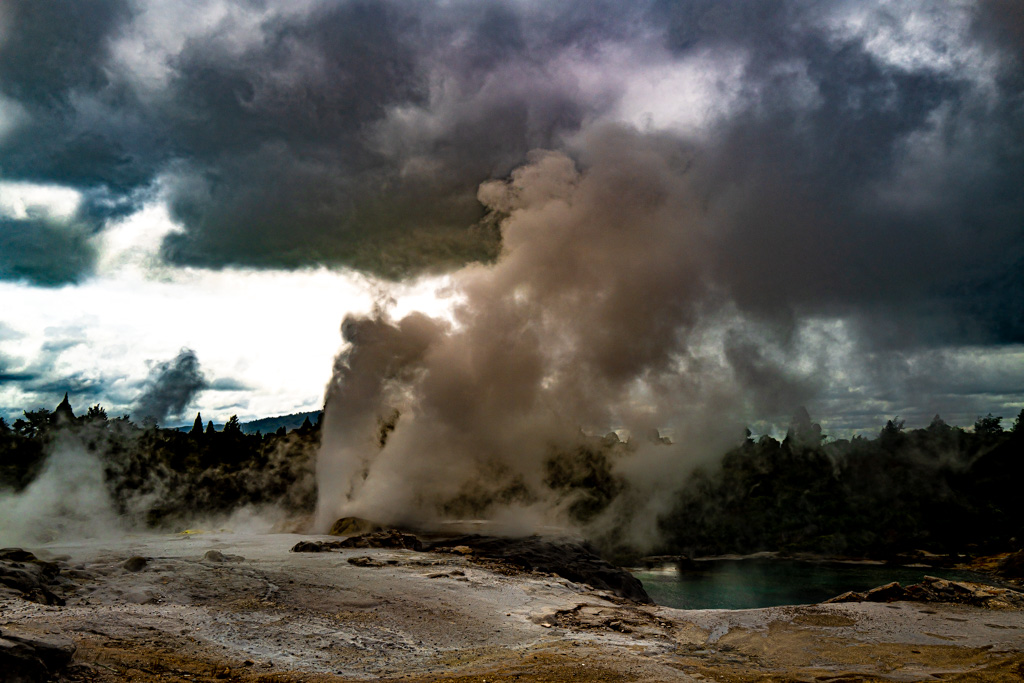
(598, 315)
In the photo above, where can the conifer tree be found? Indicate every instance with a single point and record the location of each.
(197, 426)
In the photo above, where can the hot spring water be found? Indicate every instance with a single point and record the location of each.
(752, 583)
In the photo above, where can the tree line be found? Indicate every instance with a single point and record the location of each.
(941, 489)
(160, 476)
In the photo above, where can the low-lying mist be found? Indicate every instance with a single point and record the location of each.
(69, 478)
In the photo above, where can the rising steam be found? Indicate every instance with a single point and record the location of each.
(170, 387)
(597, 316)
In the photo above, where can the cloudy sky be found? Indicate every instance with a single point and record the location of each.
(194, 193)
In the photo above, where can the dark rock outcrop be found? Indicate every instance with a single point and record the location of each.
(933, 589)
(572, 561)
(316, 546)
(387, 538)
(24, 574)
(32, 658)
(1012, 567)
(218, 556)
(135, 563)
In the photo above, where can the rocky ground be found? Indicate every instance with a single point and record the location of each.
(222, 606)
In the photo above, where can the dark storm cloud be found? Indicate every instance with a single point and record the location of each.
(841, 177)
(44, 251)
(54, 63)
(307, 130)
(296, 148)
(228, 384)
(11, 370)
(846, 184)
(51, 250)
(45, 379)
(170, 387)
(77, 385)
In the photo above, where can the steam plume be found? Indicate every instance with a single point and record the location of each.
(170, 387)
(598, 315)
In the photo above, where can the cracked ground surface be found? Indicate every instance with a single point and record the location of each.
(253, 611)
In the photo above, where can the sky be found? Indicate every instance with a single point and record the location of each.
(195, 193)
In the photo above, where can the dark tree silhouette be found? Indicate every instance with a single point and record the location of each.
(989, 425)
(232, 426)
(63, 414)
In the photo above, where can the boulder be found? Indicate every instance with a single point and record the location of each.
(34, 657)
(848, 596)
(20, 663)
(28, 577)
(890, 592)
(388, 538)
(218, 556)
(135, 563)
(309, 547)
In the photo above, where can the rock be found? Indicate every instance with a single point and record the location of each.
(307, 547)
(33, 657)
(890, 592)
(389, 538)
(571, 561)
(28, 577)
(54, 650)
(218, 556)
(20, 663)
(1012, 567)
(315, 546)
(848, 596)
(353, 526)
(933, 589)
(135, 563)
(16, 555)
(364, 562)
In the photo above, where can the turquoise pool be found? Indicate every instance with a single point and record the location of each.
(750, 583)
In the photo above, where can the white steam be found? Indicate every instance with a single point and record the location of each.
(67, 499)
(597, 316)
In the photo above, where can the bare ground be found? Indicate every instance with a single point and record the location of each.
(261, 613)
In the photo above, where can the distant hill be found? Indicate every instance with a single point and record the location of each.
(265, 425)
(268, 425)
